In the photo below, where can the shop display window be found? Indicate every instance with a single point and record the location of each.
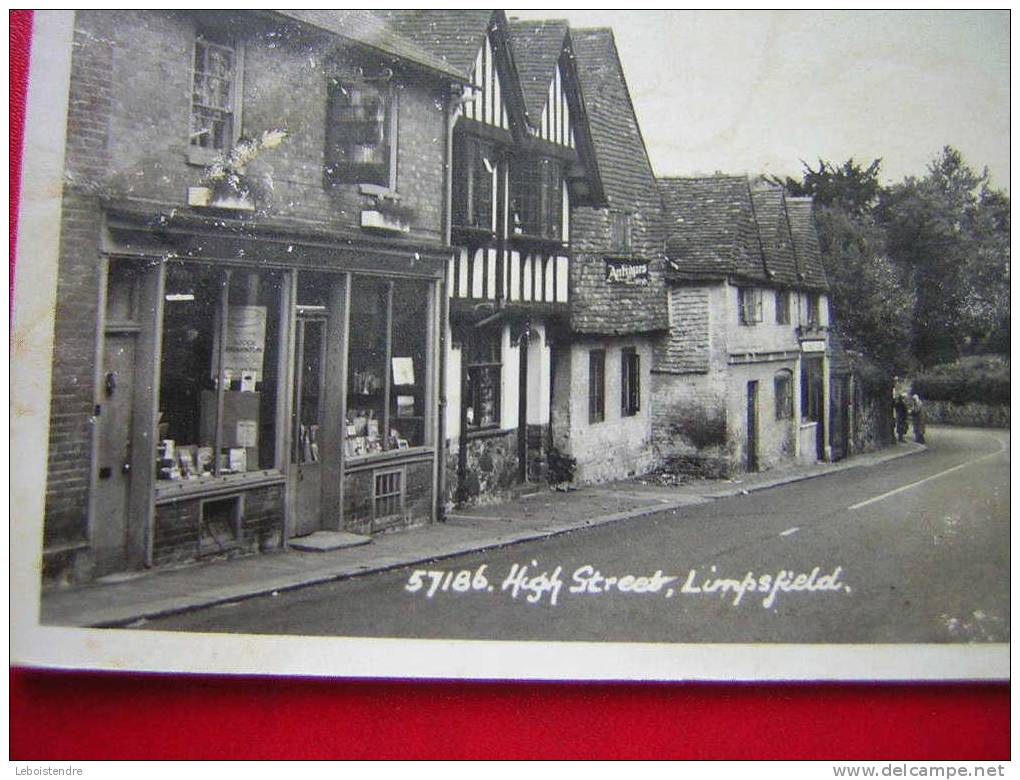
(388, 367)
(219, 372)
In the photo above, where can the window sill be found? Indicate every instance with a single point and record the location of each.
(378, 191)
(526, 239)
(173, 490)
(202, 156)
(469, 234)
(358, 462)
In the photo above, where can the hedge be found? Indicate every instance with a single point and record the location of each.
(977, 379)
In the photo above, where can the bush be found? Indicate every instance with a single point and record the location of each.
(976, 379)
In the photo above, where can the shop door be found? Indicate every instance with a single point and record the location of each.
(752, 426)
(307, 449)
(113, 483)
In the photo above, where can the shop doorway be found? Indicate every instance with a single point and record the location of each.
(309, 396)
(113, 484)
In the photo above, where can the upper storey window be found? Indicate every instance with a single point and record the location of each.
(536, 193)
(474, 179)
(619, 232)
(213, 94)
(360, 133)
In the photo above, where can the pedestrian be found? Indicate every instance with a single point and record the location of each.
(900, 411)
(917, 417)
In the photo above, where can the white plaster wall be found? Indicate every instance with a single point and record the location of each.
(539, 374)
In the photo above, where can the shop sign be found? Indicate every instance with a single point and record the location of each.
(245, 343)
(812, 346)
(626, 272)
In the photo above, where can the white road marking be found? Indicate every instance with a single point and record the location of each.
(964, 465)
(789, 531)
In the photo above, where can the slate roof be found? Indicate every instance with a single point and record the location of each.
(370, 30)
(774, 229)
(710, 228)
(537, 47)
(805, 238)
(454, 36)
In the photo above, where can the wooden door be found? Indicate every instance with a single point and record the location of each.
(113, 483)
(308, 447)
(752, 426)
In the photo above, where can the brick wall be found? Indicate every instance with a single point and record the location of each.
(78, 276)
(177, 534)
(359, 499)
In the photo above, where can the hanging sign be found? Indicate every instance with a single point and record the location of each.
(626, 272)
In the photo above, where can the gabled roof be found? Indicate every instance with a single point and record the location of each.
(774, 230)
(365, 28)
(805, 238)
(621, 159)
(454, 36)
(710, 228)
(537, 47)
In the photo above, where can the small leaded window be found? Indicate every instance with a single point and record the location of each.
(212, 94)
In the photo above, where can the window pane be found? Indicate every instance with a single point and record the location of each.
(193, 373)
(212, 94)
(596, 386)
(366, 383)
(409, 370)
(483, 360)
(357, 135)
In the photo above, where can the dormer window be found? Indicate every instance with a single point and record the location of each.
(213, 93)
(474, 182)
(536, 193)
(360, 133)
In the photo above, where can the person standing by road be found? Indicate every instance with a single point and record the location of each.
(900, 412)
(917, 417)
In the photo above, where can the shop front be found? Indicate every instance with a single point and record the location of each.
(260, 387)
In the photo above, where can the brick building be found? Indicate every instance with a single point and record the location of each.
(741, 381)
(250, 293)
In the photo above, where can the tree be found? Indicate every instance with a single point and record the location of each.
(952, 232)
(872, 296)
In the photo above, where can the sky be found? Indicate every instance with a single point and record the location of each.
(759, 91)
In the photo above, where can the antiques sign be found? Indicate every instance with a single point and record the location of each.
(626, 272)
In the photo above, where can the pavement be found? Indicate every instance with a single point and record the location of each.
(130, 598)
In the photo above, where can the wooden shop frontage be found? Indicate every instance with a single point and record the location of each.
(261, 384)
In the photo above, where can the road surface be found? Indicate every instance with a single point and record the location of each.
(915, 550)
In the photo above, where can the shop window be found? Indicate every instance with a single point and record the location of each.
(596, 386)
(749, 303)
(811, 390)
(387, 365)
(536, 194)
(360, 133)
(474, 183)
(619, 232)
(782, 307)
(213, 92)
(630, 387)
(484, 367)
(219, 372)
(783, 386)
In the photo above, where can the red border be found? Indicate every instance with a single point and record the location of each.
(73, 715)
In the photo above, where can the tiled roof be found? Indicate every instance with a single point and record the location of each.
(537, 47)
(370, 30)
(620, 154)
(455, 36)
(710, 227)
(774, 229)
(805, 239)
(599, 306)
